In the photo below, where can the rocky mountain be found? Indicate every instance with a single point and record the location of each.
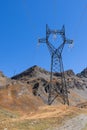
(39, 79)
(29, 89)
(83, 74)
(31, 73)
(17, 96)
(3, 80)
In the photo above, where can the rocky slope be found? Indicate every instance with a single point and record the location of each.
(17, 96)
(29, 90)
(23, 100)
(3, 80)
(83, 74)
(39, 78)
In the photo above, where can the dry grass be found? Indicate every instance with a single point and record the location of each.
(45, 117)
(26, 112)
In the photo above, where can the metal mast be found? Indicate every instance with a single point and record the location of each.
(56, 64)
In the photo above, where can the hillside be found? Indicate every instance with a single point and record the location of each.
(83, 73)
(30, 89)
(36, 75)
(24, 97)
(17, 96)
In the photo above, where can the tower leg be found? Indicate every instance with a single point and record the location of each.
(50, 85)
(63, 82)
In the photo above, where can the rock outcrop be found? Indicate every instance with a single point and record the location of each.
(3, 80)
(30, 89)
(39, 79)
(83, 74)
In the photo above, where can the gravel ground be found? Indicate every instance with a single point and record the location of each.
(76, 123)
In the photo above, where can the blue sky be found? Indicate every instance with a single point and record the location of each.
(22, 22)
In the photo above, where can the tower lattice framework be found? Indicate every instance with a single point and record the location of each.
(56, 65)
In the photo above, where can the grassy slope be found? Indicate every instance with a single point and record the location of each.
(31, 117)
(6, 116)
(45, 117)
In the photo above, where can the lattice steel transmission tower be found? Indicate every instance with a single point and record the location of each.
(56, 64)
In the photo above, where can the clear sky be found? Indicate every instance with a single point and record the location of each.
(22, 22)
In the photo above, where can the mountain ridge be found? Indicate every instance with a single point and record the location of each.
(36, 76)
(33, 84)
(83, 73)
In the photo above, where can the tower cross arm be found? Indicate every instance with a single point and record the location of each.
(60, 48)
(55, 32)
(68, 41)
(51, 48)
(42, 40)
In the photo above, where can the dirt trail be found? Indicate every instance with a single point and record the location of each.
(51, 117)
(76, 123)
